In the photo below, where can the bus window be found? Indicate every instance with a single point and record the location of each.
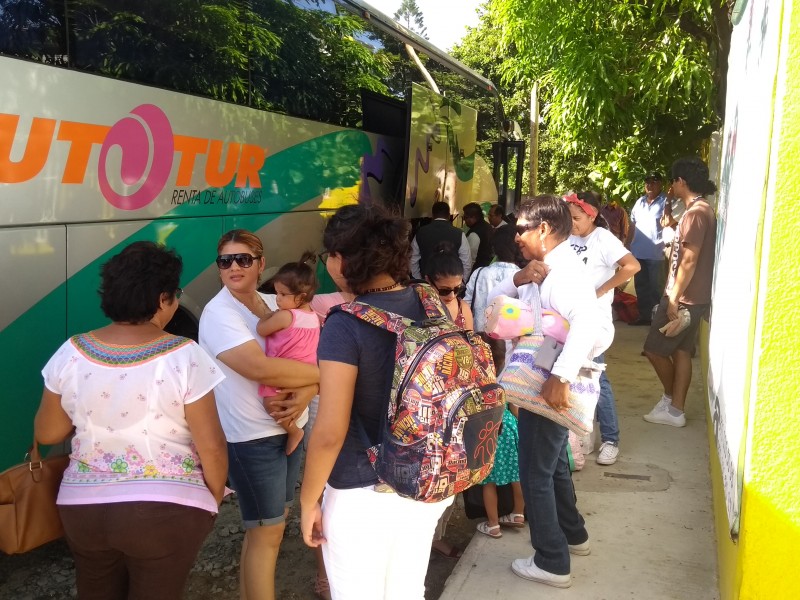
(34, 29)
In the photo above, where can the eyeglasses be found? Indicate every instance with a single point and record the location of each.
(448, 291)
(323, 256)
(224, 261)
(522, 229)
(178, 293)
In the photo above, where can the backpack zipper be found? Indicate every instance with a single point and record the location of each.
(457, 405)
(421, 352)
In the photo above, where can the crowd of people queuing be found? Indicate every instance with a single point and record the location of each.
(160, 423)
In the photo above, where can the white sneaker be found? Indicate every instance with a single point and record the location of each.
(661, 406)
(663, 417)
(608, 453)
(527, 569)
(583, 549)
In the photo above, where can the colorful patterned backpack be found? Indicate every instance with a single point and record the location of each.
(440, 432)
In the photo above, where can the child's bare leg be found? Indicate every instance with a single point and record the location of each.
(519, 502)
(295, 433)
(490, 503)
(295, 437)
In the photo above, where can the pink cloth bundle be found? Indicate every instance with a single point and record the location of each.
(509, 318)
(554, 325)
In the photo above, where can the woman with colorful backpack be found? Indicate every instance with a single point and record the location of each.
(375, 540)
(445, 272)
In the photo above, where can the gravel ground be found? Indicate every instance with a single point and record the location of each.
(48, 572)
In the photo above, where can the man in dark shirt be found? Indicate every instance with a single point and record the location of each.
(478, 236)
(429, 236)
(496, 217)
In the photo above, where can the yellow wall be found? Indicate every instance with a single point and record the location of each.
(764, 564)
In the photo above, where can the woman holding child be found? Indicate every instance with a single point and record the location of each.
(260, 471)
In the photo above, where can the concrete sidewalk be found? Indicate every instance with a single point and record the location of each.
(649, 516)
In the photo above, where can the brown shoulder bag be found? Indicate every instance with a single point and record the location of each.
(28, 514)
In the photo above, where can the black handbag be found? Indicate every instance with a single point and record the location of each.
(473, 501)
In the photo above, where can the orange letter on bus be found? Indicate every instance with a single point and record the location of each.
(36, 150)
(83, 136)
(216, 177)
(250, 164)
(189, 147)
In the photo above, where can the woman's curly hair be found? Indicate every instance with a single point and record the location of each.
(133, 281)
(371, 242)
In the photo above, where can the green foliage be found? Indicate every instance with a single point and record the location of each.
(173, 44)
(626, 86)
(410, 16)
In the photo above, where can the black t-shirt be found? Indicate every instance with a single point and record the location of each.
(347, 339)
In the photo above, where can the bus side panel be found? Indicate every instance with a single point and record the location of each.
(427, 180)
(286, 239)
(442, 160)
(193, 239)
(33, 263)
(462, 135)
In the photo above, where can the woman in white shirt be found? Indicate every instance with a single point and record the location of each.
(261, 473)
(610, 265)
(148, 462)
(557, 528)
(484, 279)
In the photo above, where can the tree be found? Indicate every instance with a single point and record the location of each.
(626, 85)
(410, 16)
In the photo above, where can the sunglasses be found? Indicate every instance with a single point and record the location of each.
(522, 229)
(178, 293)
(224, 261)
(448, 291)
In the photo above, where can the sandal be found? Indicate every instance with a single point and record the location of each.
(453, 552)
(512, 520)
(490, 530)
(322, 589)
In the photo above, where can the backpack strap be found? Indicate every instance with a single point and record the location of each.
(397, 324)
(431, 302)
(475, 289)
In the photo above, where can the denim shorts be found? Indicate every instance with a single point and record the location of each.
(264, 478)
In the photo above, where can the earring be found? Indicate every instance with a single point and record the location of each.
(544, 249)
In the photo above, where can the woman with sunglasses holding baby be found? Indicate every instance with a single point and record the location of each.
(260, 471)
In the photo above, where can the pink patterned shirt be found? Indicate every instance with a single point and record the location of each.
(132, 441)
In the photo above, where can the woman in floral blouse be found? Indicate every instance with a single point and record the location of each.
(148, 463)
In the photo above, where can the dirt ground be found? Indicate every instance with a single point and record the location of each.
(48, 572)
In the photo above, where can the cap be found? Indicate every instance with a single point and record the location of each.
(654, 176)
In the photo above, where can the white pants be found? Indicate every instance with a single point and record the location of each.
(378, 545)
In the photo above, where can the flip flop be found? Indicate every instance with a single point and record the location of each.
(512, 520)
(453, 553)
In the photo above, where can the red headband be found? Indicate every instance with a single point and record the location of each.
(585, 206)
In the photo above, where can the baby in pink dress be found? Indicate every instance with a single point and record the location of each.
(291, 332)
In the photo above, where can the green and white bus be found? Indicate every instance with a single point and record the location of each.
(177, 121)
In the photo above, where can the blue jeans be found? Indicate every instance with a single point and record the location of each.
(553, 516)
(606, 408)
(264, 478)
(649, 284)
